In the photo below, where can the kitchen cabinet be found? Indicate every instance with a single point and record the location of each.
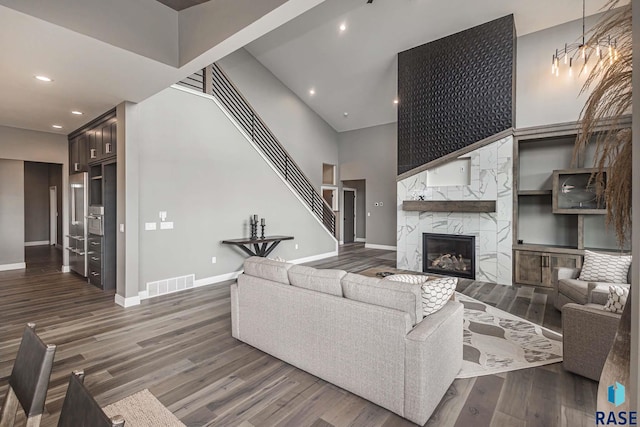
(78, 154)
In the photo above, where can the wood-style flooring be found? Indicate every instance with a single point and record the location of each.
(180, 348)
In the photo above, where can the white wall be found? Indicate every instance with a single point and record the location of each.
(371, 154)
(543, 98)
(303, 133)
(195, 165)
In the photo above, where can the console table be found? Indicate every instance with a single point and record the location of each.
(261, 247)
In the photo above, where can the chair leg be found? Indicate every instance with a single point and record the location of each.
(9, 409)
(34, 421)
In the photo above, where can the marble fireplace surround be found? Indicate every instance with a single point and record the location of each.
(491, 171)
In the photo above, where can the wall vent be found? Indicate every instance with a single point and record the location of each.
(169, 286)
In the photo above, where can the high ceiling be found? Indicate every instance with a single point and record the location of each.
(354, 71)
(181, 4)
(100, 53)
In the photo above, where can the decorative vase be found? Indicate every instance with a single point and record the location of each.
(616, 367)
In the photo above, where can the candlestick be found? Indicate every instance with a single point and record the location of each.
(262, 226)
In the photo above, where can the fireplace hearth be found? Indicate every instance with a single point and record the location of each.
(449, 255)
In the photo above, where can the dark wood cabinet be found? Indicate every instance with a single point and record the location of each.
(536, 268)
(78, 154)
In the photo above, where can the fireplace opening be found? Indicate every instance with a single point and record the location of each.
(449, 255)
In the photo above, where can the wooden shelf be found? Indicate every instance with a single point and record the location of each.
(535, 193)
(449, 205)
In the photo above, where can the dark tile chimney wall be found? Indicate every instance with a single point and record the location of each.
(455, 91)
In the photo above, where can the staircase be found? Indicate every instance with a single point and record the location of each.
(213, 81)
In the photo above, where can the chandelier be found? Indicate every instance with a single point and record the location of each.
(579, 52)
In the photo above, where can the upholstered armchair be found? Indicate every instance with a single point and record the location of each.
(569, 289)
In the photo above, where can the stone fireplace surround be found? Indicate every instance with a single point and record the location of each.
(491, 179)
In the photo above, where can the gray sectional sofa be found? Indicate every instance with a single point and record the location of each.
(363, 334)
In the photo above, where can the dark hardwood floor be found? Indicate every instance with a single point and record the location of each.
(180, 348)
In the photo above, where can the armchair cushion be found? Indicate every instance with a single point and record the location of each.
(599, 267)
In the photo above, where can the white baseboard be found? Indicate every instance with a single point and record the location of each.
(15, 266)
(384, 247)
(314, 257)
(66, 269)
(360, 240)
(205, 281)
(341, 242)
(37, 243)
(127, 302)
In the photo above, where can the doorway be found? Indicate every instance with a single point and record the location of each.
(349, 215)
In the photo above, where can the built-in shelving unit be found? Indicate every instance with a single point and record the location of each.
(550, 231)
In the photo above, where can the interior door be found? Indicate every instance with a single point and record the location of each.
(349, 216)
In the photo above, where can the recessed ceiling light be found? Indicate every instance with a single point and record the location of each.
(346, 114)
(44, 78)
(56, 126)
(396, 101)
(343, 27)
(77, 113)
(312, 92)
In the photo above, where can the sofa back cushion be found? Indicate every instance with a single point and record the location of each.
(269, 269)
(400, 296)
(325, 281)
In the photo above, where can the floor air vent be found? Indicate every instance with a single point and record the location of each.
(169, 286)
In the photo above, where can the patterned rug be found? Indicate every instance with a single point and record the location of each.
(496, 341)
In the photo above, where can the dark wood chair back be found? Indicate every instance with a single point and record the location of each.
(29, 379)
(80, 409)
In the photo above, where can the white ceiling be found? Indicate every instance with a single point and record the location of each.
(100, 54)
(355, 71)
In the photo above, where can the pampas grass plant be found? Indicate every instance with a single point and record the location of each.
(608, 102)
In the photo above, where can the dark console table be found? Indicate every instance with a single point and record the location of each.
(261, 247)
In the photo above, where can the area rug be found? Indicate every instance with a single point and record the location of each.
(142, 409)
(495, 341)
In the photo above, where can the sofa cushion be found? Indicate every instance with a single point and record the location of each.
(575, 289)
(320, 280)
(400, 296)
(617, 299)
(436, 293)
(269, 269)
(599, 291)
(599, 267)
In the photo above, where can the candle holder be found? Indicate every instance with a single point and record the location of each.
(254, 231)
(262, 226)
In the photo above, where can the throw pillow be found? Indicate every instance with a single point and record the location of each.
(599, 267)
(414, 279)
(617, 299)
(436, 293)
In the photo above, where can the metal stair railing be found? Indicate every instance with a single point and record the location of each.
(221, 87)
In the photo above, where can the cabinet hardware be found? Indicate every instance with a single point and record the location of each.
(108, 147)
(93, 273)
(93, 153)
(76, 167)
(95, 258)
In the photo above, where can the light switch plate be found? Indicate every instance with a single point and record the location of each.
(150, 226)
(168, 225)
(213, 260)
(122, 228)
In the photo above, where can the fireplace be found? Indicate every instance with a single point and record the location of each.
(449, 255)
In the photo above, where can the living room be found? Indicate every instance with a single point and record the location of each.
(174, 157)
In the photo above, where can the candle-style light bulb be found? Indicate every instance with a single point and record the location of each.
(565, 53)
(584, 52)
(570, 67)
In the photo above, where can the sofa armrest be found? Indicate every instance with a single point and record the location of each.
(433, 358)
(235, 313)
(588, 333)
(560, 273)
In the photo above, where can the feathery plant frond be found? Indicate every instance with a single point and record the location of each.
(609, 100)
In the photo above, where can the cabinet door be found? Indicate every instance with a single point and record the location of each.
(82, 154)
(94, 146)
(109, 139)
(529, 267)
(73, 155)
(553, 261)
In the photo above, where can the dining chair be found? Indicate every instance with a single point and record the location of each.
(80, 409)
(29, 379)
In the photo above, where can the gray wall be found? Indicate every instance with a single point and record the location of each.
(195, 165)
(303, 133)
(542, 98)
(370, 154)
(11, 212)
(36, 202)
(34, 146)
(360, 186)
